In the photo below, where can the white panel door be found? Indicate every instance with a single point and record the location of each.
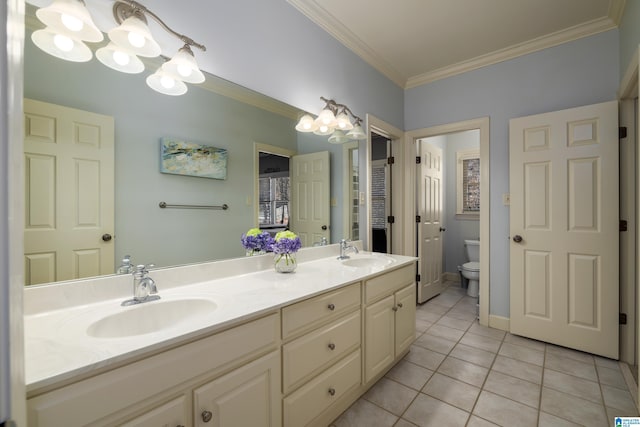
(69, 193)
(310, 183)
(429, 199)
(564, 228)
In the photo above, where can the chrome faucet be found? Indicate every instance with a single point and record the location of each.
(144, 287)
(344, 248)
(323, 242)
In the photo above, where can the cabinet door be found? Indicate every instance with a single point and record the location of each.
(247, 396)
(405, 318)
(379, 336)
(171, 414)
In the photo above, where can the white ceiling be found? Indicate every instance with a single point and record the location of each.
(414, 42)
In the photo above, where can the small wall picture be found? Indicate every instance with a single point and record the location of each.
(188, 158)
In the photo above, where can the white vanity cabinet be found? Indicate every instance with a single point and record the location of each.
(293, 362)
(389, 319)
(247, 396)
(321, 355)
(239, 363)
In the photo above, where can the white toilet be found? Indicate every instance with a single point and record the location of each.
(471, 269)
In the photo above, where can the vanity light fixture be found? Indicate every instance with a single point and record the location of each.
(69, 25)
(336, 120)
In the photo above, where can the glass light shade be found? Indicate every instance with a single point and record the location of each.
(306, 124)
(338, 137)
(183, 66)
(61, 46)
(343, 122)
(324, 129)
(134, 36)
(327, 118)
(357, 133)
(70, 17)
(119, 59)
(162, 82)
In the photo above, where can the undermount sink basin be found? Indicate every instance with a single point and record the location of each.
(150, 317)
(368, 261)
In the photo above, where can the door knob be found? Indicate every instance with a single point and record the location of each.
(443, 229)
(206, 416)
(517, 238)
(106, 237)
(324, 227)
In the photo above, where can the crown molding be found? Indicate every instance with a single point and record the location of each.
(327, 22)
(212, 83)
(344, 35)
(616, 10)
(540, 43)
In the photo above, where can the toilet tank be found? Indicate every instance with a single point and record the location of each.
(472, 250)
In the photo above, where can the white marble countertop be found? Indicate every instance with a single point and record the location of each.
(58, 348)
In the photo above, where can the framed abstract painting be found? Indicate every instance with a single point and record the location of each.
(180, 157)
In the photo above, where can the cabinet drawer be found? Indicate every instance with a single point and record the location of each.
(305, 315)
(309, 354)
(388, 283)
(302, 406)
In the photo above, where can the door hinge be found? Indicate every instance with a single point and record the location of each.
(417, 277)
(418, 160)
(623, 225)
(622, 132)
(418, 219)
(622, 318)
(391, 219)
(391, 160)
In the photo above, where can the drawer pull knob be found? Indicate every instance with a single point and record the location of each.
(395, 308)
(332, 391)
(400, 304)
(331, 346)
(206, 416)
(331, 307)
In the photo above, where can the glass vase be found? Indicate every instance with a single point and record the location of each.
(254, 252)
(285, 263)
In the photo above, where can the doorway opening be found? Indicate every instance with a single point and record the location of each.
(411, 143)
(381, 199)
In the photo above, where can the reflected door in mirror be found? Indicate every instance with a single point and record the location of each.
(69, 193)
(310, 206)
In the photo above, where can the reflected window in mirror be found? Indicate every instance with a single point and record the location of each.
(351, 191)
(274, 191)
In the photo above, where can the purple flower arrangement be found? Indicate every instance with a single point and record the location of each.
(285, 245)
(256, 242)
(286, 242)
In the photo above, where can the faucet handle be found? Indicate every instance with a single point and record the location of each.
(143, 269)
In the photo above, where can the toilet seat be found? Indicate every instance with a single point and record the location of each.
(471, 266)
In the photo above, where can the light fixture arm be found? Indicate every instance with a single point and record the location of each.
(334, 107)
(139, 9)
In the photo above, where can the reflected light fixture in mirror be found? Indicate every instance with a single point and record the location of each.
(335, 120)
(69, 25)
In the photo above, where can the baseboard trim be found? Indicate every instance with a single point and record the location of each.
(451, 277)
(630, 380)
(499, 322)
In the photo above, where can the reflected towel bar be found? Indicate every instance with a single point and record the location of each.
(163, 205)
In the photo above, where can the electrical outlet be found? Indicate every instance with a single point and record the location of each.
(506, 199)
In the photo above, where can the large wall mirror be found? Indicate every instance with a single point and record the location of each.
(217, 113)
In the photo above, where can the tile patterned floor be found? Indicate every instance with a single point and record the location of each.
(459, 373)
